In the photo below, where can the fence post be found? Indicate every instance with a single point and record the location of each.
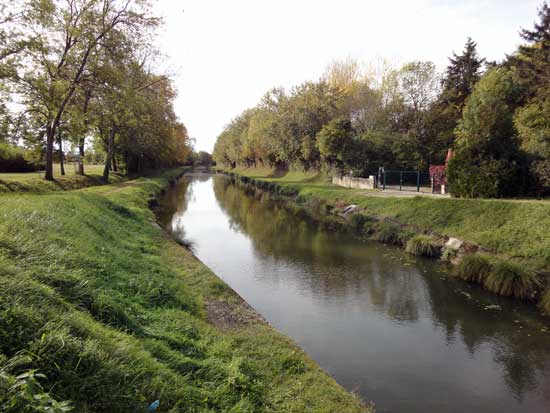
(400, 180)
(417, 181)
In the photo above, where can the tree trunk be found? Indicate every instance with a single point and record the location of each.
(110, 150)
(115, 166)
(81, 158)
(49, 153)
(82, 141)
(61, 153)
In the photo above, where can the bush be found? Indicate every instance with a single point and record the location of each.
(544, 303)
(474, 268)
(12, 159)
(511, 280)
(361, 223)
(448, 254)
(390, 234)
(423, 245)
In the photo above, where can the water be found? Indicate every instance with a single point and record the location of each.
(396, 330)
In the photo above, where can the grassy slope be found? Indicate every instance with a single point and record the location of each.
(112, 312)
(34, 182)
(519, 229)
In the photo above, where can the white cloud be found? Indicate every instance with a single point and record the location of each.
(226, 54)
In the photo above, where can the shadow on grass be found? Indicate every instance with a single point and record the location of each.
(278, 173)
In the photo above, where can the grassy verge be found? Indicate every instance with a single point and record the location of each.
(34, 181)
(100, 308)
(509, 230)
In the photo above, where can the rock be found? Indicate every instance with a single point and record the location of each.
(349, 209)
(454, 243)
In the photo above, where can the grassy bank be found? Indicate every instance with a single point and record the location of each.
(100, 308)
(34, 181)
(507, 230)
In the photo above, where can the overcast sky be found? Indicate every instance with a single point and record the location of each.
(226, 54)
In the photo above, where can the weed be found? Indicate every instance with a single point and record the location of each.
(423, 245)
(474, 268)
(544, 303)
(512, 280)
(448, 254)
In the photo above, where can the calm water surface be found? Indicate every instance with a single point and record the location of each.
(393, 329)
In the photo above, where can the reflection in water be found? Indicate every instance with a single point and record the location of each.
(394, 329)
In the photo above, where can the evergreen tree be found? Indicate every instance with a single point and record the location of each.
(463, 72)
(532, 61)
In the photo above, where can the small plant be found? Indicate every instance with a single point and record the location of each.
(448, 254)
(474, 268)
(359, 222)
(423, 245)
(511, 280)
(544, 303)
(389, 234)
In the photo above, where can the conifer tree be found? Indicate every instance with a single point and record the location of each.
(463, 72)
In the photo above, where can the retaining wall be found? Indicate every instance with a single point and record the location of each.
(356, 183)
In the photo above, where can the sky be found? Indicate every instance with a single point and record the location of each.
(224, 55)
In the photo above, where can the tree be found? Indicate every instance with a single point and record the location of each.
(531, 68)
(533, 125)
(418, 85)
(487, 160)
(335, 143)
(532, 60)
(463, 72)
(67, 35)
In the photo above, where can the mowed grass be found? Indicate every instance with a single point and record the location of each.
(70, 170)
(515, 228)
(34, 181)
(98, 300)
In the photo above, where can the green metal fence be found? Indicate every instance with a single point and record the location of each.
(406, 181)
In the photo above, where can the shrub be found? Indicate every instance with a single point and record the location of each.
(360, 222)
(544, 303)
(448, 254)
(423, 245)
(12, 159)
(389, 234)
(511, 280)
(474, 268)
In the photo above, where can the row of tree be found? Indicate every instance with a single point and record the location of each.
(80, 72)
(495, 117)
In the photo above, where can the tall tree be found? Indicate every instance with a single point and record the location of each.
(461, 75)
(67, 35)
(487, 161)
(532, 60)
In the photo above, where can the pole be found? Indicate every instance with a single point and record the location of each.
(400, 180)
(418, 181)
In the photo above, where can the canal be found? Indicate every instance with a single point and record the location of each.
(394, 329)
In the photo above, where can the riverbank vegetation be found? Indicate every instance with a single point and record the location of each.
(80, 77)
(493, 115)
(510, 235)
(101, 311)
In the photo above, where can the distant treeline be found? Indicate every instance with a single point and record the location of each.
(81, 73)
(495, 117)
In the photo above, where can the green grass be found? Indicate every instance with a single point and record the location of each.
(544, 303)
(100, 308)
(34, 181)
(512, 280)
(474, 268)
(517, 229)
(423, 246)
